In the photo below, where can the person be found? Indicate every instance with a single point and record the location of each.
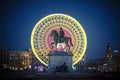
(61, 33)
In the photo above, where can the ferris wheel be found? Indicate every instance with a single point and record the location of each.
(41, 39)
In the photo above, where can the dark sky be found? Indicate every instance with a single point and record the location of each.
(99, 18)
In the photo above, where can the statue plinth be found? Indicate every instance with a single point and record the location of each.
(59, 53)
(60, 62)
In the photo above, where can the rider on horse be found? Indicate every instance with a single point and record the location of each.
(61, 33)
(61, 42)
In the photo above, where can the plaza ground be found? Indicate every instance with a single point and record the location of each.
(59, 76)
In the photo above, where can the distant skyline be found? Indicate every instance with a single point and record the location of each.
(99, 18)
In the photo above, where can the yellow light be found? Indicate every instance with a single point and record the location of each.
(75, 21)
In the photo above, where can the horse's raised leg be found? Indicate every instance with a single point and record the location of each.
(70, 41)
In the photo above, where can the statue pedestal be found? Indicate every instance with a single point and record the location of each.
(60, 62)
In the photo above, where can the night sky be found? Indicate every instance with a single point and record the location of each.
(99, 18)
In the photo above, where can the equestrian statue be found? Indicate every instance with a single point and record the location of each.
(59, 39)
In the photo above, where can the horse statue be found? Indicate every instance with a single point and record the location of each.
(59, 38)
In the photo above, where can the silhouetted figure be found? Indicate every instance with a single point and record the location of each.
(61, 33)
(62, 68)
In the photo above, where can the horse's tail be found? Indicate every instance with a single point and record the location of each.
(70, 41)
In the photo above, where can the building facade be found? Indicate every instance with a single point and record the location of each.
(15, 60)
(81, 65)
(109, 63)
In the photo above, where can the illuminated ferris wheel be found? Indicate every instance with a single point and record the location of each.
(41, 40)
